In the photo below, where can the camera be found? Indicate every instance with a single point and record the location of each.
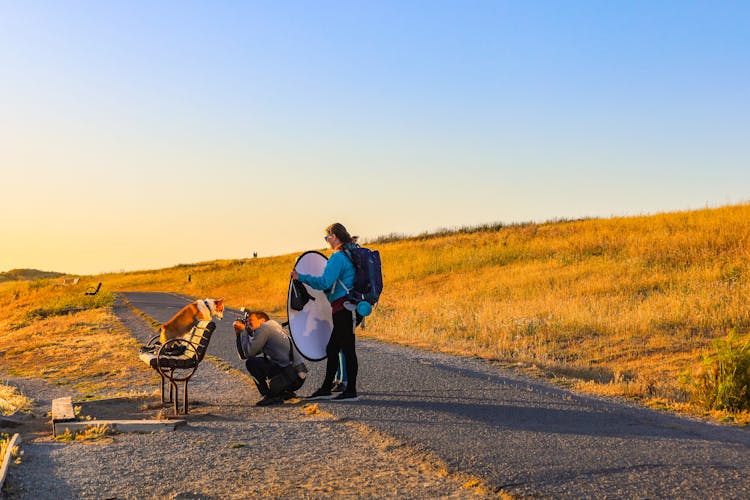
(244, 316)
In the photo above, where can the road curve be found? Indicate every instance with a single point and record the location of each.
(523, 436)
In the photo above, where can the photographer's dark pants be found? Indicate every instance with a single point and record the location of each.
(342, 339)
(261, 369)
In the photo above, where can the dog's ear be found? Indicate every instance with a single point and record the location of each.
(219, 301)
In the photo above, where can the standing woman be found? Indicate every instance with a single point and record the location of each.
(337, 279)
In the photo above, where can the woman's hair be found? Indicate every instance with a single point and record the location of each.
(340, 231)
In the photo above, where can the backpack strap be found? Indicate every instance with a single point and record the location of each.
(342, 285)
(347, 250)
(291, 349)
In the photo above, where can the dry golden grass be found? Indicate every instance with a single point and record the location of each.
(260, 283)
(310, 409)
(11, 400)
(15, 455)
(618, 306)
(91, 432)
(64, 337)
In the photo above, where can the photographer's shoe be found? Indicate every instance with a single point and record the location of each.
(346, 396)
(338, 386)
(287, 395)
(269, 400)
(320, 394)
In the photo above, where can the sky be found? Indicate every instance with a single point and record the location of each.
(145, 134)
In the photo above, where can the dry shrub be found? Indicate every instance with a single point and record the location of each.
(722, 382)
(11, 400)
(16, 453)
(91, 432)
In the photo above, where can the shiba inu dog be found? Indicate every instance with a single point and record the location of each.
(183, 321)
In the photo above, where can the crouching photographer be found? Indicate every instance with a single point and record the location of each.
(269, 357)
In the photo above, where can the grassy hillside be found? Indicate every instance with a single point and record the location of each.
(27, 275)
(621, 306)
(58, 334)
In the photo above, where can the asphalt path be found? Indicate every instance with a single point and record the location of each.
(521, 435)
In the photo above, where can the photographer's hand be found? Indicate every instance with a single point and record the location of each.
(238, 326)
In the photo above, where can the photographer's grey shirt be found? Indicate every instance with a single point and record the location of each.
(269, 339)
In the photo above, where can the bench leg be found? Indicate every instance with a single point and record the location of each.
(176, 400)
(174, 392)
(163, 390)
(163, 399)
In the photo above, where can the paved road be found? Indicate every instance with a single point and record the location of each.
(523, 436)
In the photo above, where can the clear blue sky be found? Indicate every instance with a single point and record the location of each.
(143, 134)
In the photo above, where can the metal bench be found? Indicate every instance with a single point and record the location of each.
(177, 360)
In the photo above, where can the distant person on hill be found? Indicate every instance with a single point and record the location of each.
(336, 280)
(278, 372)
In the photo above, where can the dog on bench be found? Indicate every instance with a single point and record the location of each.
(188, 316)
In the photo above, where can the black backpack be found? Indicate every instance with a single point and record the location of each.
(368, 277)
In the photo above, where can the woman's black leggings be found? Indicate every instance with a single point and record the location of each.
(342, 339)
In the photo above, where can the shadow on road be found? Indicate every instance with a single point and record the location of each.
(517, 415)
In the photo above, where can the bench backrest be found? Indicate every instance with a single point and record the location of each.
(200, 336)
